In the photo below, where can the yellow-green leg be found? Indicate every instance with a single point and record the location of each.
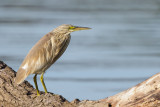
(44, 86)
(35, 82)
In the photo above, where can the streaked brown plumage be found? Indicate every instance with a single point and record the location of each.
(45, 52)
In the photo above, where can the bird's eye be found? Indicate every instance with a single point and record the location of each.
(72, 27)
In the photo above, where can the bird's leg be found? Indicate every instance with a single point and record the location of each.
(35, 82)
(44, 86)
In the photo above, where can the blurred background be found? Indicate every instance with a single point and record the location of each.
(121, 50)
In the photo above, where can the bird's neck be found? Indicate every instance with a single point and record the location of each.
(61, 35)
(59, 40)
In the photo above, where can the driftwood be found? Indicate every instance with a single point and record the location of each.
(145, 94)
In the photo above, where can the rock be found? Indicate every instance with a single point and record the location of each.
(12, 95)
(145, 94)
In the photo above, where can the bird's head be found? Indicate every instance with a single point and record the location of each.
(67, 28)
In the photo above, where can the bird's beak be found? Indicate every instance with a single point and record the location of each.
(77, 28)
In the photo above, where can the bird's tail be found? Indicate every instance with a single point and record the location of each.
(20, 76)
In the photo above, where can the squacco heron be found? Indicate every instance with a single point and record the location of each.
(45, 52)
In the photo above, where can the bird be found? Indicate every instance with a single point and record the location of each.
(45, 53)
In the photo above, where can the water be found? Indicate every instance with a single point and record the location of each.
(120, 51)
